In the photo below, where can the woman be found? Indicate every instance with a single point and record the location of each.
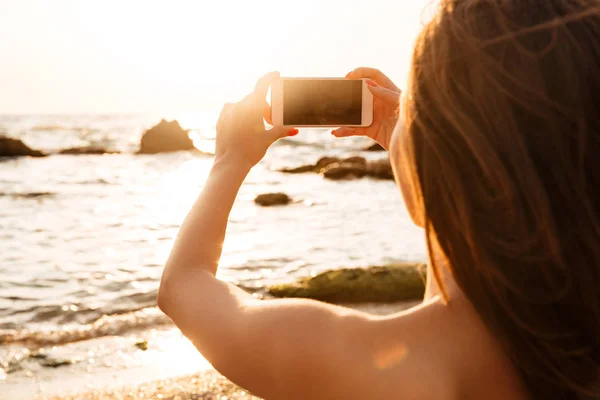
(498, 159)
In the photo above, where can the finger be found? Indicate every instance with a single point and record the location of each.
(348, 131)
(267, 113)
(262, 86)
(279, 132)
(375, 74)
(388, 96)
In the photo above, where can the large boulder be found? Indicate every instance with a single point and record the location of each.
(356, 160)
(335, 168)
(87, 150)
(322, 164)
(10, 147)
(348, 168)
(344, 171)
(165, 137)
(379, 284)
(380, 169)
(272, 199)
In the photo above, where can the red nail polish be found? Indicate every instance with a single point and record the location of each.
(372, 83)
(293, 132)
(333, 133)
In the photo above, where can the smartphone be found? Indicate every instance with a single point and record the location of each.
(321, 102)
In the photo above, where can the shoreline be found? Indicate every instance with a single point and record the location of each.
(118, 367)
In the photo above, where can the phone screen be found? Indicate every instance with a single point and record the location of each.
(328, 102)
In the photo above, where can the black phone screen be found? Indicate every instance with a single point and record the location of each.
(328, 102)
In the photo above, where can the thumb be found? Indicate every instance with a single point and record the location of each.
(279, 132)
(388, 96)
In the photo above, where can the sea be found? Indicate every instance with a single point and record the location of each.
(83, 239)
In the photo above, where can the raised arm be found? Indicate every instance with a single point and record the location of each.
(282, 349)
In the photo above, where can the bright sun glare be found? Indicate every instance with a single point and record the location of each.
(158, 56)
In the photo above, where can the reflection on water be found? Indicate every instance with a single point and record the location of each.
(95, 242)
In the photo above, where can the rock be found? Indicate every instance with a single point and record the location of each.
(272, 199)
(396, 282)
(356, 160)
(57, 362)
(87, 150)
(324, 162)
(39, 355)
(28, 195)
(339, 171)
(165, 137)
(142, 345)
(299, 170)
(321, 163)
(374, 147)
(381, 169)
(348, 168)
(10, 147)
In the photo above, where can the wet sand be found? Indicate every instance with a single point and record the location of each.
(209, 385)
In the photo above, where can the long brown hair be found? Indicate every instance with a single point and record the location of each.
(503, 121)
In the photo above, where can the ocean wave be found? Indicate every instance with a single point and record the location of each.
(55, 128)
(109, 325)
(64, 314)
(98, 181)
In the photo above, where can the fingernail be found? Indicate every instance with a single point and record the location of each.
(371, 83)
(293, 132)
(348, 74)
(333, 132)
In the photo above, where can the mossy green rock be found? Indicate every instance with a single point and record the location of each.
(142, 345)
(397, 282)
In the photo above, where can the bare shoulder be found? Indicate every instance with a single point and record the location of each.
(409, 353)
(355, 355)
(450, 353)
(432, 351)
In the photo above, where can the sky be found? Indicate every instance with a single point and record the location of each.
(127, 56)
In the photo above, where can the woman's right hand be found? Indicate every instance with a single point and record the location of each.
(386, 101)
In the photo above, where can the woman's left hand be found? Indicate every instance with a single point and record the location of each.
(241, 134)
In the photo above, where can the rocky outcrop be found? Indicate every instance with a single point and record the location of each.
(272, 199)
(380, 169)
(317, 167)
(167, 136)
(396, 282)
(346, 168)
(87, 150)
(374, 147)
(10, 147)
(298, 170)
(321, 164)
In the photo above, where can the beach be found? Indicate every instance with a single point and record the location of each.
(84, 239)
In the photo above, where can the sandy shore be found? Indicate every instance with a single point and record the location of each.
(208, 385)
